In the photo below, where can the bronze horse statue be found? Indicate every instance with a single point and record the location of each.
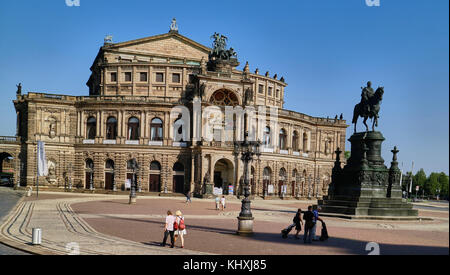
(369, 109)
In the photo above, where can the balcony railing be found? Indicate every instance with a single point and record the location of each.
(4, 139)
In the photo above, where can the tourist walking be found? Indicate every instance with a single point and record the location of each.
(168, 229)
(308, 217)
(188, 197)
(316, 218)
(217, 203)
(180, 227)
(298, 221)
(222, 203)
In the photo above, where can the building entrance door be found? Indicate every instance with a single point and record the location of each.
(109, 178)
(178, 184)
(155, 183)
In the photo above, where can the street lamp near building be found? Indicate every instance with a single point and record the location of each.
(91, 182)
(247, 149)
(134, 166)
(310, 181)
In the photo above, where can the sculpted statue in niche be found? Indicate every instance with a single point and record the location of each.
(51, 178)
(52, 128)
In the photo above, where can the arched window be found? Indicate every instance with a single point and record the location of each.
(89, 164)
(224, 98)
(156, 130)
(283, 138)
(155, 166)
(130, 164)
(267, 139)
(91, 128)
(295, 141)
(305, 142)
(109, 164)
(133, 129)
(178, 167)
(111, 128)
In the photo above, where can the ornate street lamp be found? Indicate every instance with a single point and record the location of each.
(317, 187)
(70, 176)
(247, 149)
(91, 182)
(134, 167)
(310, 180)
(114, 182)
(300, 192)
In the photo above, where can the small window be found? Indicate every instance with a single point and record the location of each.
(261, 89)
(176, 78)
(128, 76)
(113, 77)
(278, 93)
(270, 91)
(159, 77)
(143, 77)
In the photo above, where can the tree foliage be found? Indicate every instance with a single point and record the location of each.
(433, 185)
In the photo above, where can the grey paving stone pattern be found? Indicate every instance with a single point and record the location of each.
(8, 199)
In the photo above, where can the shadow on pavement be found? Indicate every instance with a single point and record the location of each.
(346, 246)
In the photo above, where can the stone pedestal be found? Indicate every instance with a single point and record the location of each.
(365, 186)
(245, 226)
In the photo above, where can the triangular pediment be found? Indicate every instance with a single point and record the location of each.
(170, 44)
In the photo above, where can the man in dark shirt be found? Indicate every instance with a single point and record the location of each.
(308, 217)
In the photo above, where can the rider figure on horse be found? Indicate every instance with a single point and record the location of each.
(366, 94)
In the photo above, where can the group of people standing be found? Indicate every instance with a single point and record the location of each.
(174, 227)
(309, 221)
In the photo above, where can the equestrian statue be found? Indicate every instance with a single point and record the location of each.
(369, 107)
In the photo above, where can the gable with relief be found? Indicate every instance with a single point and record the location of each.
(167, 46)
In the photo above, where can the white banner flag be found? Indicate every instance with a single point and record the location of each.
(42, 160)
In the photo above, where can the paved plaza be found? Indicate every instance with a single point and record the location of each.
(107, 224)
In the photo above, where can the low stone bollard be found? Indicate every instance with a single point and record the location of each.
(29, 191)
(36, 236)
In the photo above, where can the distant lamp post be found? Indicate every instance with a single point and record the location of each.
(91, 182)
(247, 149)
(134, 167)
(310, 181)
(317, 187)
(114, 182)
(70, 171)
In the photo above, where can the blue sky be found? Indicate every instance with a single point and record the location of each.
(325, 49)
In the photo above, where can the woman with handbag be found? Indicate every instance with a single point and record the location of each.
(180, 227)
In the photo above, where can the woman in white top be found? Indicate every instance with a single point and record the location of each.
(222, 203)
(180, 232)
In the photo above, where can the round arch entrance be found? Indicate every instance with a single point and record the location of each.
(223, 175)
(6, 169)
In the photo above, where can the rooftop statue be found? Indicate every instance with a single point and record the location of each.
(369, 107)
(174, 25)
(219, 50)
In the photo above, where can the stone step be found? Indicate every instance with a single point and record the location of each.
(371, 204)
(368, 211)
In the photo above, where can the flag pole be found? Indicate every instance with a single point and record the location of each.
(37, 170)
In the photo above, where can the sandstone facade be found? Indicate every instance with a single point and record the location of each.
(133, 89)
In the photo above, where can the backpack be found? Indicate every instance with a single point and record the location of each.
(181, 226)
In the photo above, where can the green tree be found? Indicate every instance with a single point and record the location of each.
(347, 154)
(419, 179)
(432, 184)
(443, 184)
